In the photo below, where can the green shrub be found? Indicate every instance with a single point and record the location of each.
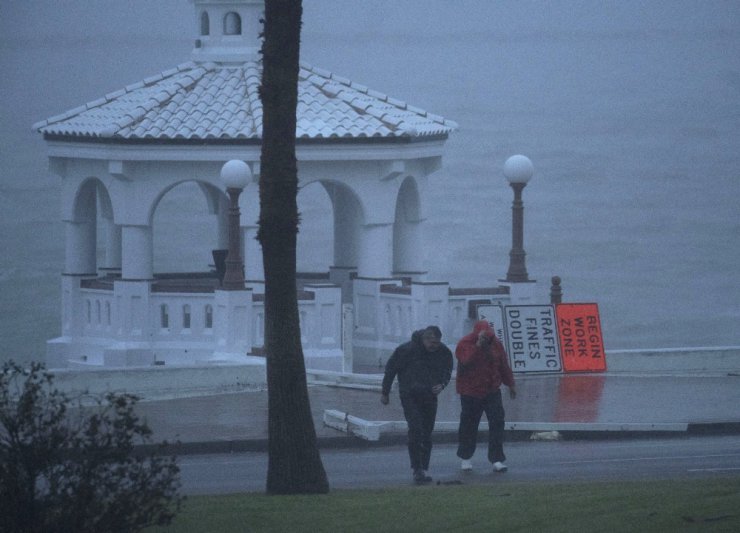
(69, 465)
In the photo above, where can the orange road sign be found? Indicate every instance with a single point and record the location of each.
(581, 342)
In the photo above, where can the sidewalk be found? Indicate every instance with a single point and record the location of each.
(577, 406)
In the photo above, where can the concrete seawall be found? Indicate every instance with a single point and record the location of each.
(160, 382)
(704, 360)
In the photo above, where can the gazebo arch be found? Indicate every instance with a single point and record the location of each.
(215, 198)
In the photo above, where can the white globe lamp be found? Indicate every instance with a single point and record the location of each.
(235, 174)
(518, 169)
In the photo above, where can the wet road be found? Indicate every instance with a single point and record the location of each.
(611, 460)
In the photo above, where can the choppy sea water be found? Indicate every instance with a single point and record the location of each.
(634, 133)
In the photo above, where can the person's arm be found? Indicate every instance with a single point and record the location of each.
(507, 376)
(445, 370)
(391, 369)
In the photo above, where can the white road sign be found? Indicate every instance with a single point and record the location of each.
(532, 338)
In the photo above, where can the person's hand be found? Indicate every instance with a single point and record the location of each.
(512, 393)
(437, 389)
(384, 399)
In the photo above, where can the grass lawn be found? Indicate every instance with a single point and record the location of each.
(676, 505)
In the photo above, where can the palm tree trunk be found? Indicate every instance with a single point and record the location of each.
(294, 464)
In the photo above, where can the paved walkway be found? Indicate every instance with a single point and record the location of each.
(602, 402)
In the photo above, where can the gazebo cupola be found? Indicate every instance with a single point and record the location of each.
(228, 31)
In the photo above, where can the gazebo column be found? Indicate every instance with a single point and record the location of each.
(376, 251)
(347, 221)
(113, 247)
(137, 253)
(347, 213)
(80, 247)
(79, 263)
(408, 250)
(133, 322)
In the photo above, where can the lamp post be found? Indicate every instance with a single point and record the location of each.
(518, 169)
(235, 174)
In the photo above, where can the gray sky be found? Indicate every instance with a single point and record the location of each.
(144, 17)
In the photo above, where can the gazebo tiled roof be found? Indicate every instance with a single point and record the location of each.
(210, 102)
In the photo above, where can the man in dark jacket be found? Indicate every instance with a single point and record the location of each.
(423, 367)
(482, 366)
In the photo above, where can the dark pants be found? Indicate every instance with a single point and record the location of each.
(420, 413)
(472, 409)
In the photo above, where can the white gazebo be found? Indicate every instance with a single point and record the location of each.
(122, 153)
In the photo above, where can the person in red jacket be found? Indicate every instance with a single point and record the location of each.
(482, 366)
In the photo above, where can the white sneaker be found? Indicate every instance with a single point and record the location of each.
(466, 465)
(498, 466)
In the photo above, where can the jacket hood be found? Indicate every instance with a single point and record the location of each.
(483, 325)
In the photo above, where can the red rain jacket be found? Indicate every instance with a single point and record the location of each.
(480, 371)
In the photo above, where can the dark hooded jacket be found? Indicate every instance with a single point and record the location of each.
(417, 369)
(480, 371)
